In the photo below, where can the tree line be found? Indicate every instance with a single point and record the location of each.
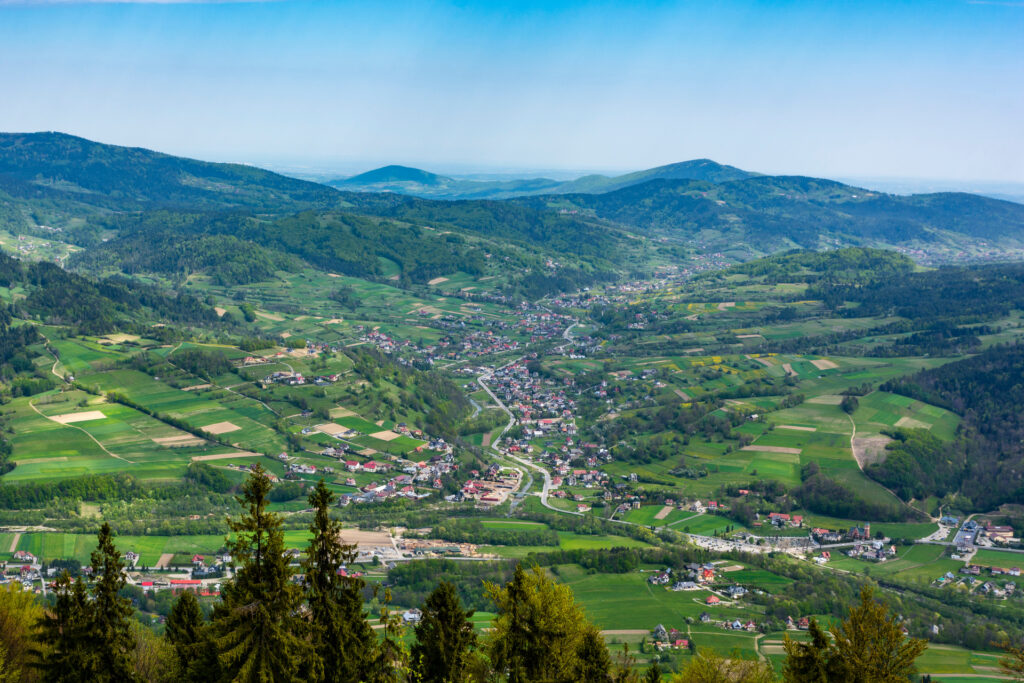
(273, 625)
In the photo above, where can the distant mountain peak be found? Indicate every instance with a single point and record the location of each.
(395, 174)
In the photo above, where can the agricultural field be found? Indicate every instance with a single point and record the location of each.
(628, 601)
(656, 515)
(234, 417)
(75, 433)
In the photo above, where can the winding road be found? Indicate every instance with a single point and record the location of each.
(482, 381)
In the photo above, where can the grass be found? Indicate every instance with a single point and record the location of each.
(190, 407)
(46, 450)
(54, 545)
(881, 410)
(627, 601)
(997, 558)
(567, 541)
(646, 515)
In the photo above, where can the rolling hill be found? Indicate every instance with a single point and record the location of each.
(765, 214)
(419, 183)
(69, 173)
(115, 198)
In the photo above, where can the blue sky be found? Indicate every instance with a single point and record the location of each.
(899, 89)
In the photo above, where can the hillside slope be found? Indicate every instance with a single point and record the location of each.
(74, 172)
(765, 214)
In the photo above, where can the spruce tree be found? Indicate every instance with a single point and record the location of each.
(653, 674)
(594, 663)
(110, 623)
(444, 638)
(257, 627)
(342, 640)
(185, 633)
(67, 654)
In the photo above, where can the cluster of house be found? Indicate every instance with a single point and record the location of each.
(489, 488)
(691, 577)
(301, 468)
(584, 299)
(298, 379)
(665, 639)
(801, 624)
(24, 567)
(784, 519)
(413, 474)
(541, 324)
(875, 551)
(997, 534)
(986, 534)
(534, 399)
(856, 533)
(201, 569)
(463, 344)
(701, 506)
(971, 571)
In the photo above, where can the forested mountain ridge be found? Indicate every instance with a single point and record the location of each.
(696, 169)
(765, 214)
(64, 168)
(848, 266)
(239, 247)
(94, 193)
(395, 173)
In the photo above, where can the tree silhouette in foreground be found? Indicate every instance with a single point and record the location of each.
(257, 625)
(444, 638)
(342, 640)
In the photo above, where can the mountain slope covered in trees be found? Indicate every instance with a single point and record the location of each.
(987, 463)
(64, 170)
(769, 213)
(93, 192)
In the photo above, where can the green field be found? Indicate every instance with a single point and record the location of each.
(997, 558)
(51, 546)
(116, 438)
(628, 601)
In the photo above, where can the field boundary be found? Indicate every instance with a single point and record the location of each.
(74, 426)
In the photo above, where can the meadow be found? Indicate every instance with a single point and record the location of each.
(117, 439)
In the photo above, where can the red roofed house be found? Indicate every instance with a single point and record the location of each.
(712, 600)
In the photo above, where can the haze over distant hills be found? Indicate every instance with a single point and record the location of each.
(419, 183)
